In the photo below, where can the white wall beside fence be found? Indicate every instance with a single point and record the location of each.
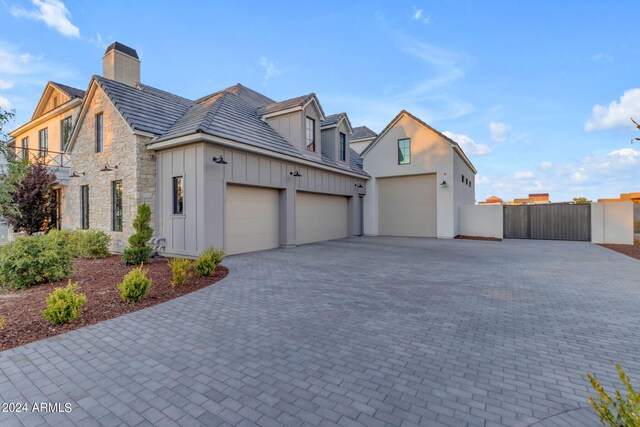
(612, 222)
(481, 220)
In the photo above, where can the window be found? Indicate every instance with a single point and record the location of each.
(84, 206)
(99, 133)
(404, 151)
(65, 131)
(116, 205)
(311, 134)
(43, 140)
(462, 178)
(25, 148)
(343, 146)
(178, 195)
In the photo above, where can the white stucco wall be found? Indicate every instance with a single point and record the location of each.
(481, 220)
(612, 222)
(463, 194)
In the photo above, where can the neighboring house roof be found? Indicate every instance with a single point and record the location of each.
(362, 132)
(455, 145)
(335, 119)
(72, 92)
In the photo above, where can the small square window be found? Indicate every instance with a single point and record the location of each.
(462, 178)
(404, 151)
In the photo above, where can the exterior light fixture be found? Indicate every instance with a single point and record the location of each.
(295, 173)
(444, 181)
(359, 185)
(107, 168)
(220, 160)
(76, 174)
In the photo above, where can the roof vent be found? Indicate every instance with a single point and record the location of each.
(121, 63)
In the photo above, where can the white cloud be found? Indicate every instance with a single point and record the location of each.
(5, 84)
(5, 104)
(270, 69)
(419, 16)
(468, 145)
(482, 180)
(546, 165)
(53, 13)
(499, 131)
(617, 113)
(523, 175)
(98, 41)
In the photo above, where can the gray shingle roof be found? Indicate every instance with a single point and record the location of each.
(362, 132)
(72, 92)
(283, 105)
(122, 48)
(231, 113)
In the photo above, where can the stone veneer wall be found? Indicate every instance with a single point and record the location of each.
(136, 169)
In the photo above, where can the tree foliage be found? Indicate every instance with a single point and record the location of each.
(581, 200)
(5, 117)
(27, 196)
(138, 251)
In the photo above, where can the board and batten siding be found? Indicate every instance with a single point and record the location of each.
(205, 187)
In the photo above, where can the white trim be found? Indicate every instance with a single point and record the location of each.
(281, 112)
(188, 139)
(337, 124)
(318, 107)
(47, 116)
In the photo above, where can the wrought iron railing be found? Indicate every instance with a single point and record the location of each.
(48, 158)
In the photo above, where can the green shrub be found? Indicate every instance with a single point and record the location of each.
(135, 285)
(180, 269)
(32, 260)
(138, 251)
(2, 320)
(91, 244)
(64, 305)
(622, 412)
(208, 260)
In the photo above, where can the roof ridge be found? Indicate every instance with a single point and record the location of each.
(213, 110)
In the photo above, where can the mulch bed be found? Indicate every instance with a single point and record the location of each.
(630, 250)
(490, 239)
(98, 280)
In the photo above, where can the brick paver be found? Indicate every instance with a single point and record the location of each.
(356, 332)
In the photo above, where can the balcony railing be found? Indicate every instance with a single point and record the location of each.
(53, 159)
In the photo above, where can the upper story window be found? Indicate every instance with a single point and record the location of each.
(65, 131)
(25, 148)
(178, 195)
(311, 134)
(343, 146)
(404, 151)
(99, 133)
(43, 142)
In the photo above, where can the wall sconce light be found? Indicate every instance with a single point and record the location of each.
(219, 160)
(76, 174)
(108, 168)
(443, 184)
(295, 173)
(359, 185)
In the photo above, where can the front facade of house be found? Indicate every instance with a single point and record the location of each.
(240, 171)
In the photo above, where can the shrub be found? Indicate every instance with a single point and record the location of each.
(2, 320)
(135, 285)
(64, 305)
(32, 260)
(622, 412)
(208, 260)
(180, 270)
(91, 244)
(138, 251)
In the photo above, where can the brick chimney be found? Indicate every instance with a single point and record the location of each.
(121, 63)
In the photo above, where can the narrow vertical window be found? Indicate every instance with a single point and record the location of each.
(84, 207)
(116, 205)
(178, 195)
(65, 132)
(404, 151)
(311, 134)
(43, 142)
(99, 133)
(343, 146)
(25, 148)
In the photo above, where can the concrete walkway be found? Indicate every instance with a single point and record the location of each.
(363, 331)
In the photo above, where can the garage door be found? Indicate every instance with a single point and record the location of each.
(252, 219)
(320, 217)
(407, 206)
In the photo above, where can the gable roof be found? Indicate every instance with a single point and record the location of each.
(335, 119)
(71, 92)
(402, 113)
(293, 103)
(362, 132)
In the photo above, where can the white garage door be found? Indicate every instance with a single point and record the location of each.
(407, 206)
(320, 217)
(252, 219)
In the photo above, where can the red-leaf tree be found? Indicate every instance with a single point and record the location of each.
(32, 200)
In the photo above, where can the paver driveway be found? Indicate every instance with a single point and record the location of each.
(363, 331)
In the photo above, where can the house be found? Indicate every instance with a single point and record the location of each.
(419, 178)
(493, 200)
(533, 199)
(361, 138)
(43, 138)
(233, 169)
(634, 197)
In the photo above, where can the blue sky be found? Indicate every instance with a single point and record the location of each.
(538, 93)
